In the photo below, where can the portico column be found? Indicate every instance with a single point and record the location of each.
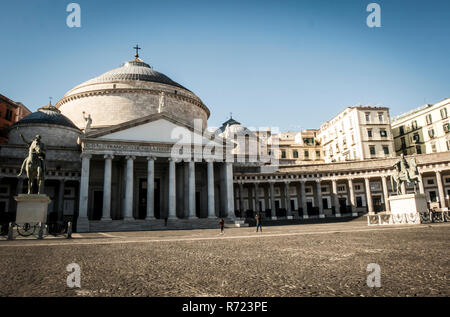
(150, 188)
(368, 195)
(304, 204)
(129, 188)
(83, 222)
(230, 192)
(172, 190)
(211, 200)
(272, 201)
(288, 200)
(106, 214)
(241, 199)
(440, 189)
(335, 198)
(61, 200)
(352, 197)
(319, 198)
(257, 198)
(191, 190)
(385, 194)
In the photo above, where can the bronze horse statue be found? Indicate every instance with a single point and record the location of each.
(34, 163)
(406, 172)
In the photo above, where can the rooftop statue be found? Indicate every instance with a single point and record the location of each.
(88, 120)
(405, 172)
(161, 102)
(34, 163)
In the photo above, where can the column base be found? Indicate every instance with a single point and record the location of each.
(338, 216)
(305, 217)
(212, 217)
(106, 219)
(274, 218)
(354, 214)
(83, 224)
(322, 216)
(130, 219)
(172, 218)
(289, 217)
(150, 218)
(193, 217)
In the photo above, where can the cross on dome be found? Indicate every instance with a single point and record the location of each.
(137, 48)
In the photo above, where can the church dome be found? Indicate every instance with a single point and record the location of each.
(54, 128)
(46, 115)
(132, 91)
(235, 128)
(135, 69)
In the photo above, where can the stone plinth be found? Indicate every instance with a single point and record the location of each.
(408, 204)
(405, 209)
(31, 208)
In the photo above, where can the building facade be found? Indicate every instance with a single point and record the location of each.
(423, 130)
(357, 133)
(300, 147)
(131, 150)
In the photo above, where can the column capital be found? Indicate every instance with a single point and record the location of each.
(108, 156)
(151, 158)
(317, 181)
(130, 157)
(174, 159)
(86, 155)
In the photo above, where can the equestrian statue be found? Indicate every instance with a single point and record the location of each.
(405, 172)
(34, 163)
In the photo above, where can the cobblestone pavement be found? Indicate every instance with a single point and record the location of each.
(299, 260)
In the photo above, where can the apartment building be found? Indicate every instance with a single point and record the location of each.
(423, 130)
(357, 133)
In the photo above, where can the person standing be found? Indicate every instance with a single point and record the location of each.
(258, 222)
(221, 225)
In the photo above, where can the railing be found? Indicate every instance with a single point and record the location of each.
(12, 230)
(384, 218)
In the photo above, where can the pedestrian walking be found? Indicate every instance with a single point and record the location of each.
(221, 225)
(258, 222)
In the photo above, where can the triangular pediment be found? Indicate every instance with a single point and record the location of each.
(158, 128)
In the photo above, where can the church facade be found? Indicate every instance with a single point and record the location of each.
(130, 150)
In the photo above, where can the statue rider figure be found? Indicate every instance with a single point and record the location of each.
(404, 167)
(34, 147)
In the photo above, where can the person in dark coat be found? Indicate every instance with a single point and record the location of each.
(258, 222)
(221, 224)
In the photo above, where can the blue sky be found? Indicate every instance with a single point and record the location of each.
(289, 64)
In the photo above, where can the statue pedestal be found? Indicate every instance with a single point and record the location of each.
(32, 208)
(405, 209)
(408, 204)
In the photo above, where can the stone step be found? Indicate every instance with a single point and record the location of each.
(157, 224)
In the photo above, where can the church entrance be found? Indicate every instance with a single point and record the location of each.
(157, 198)
(142, 210)
(98, 205)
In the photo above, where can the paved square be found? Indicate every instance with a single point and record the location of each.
(299, 260)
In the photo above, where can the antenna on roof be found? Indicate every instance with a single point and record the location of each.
(50, 98)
